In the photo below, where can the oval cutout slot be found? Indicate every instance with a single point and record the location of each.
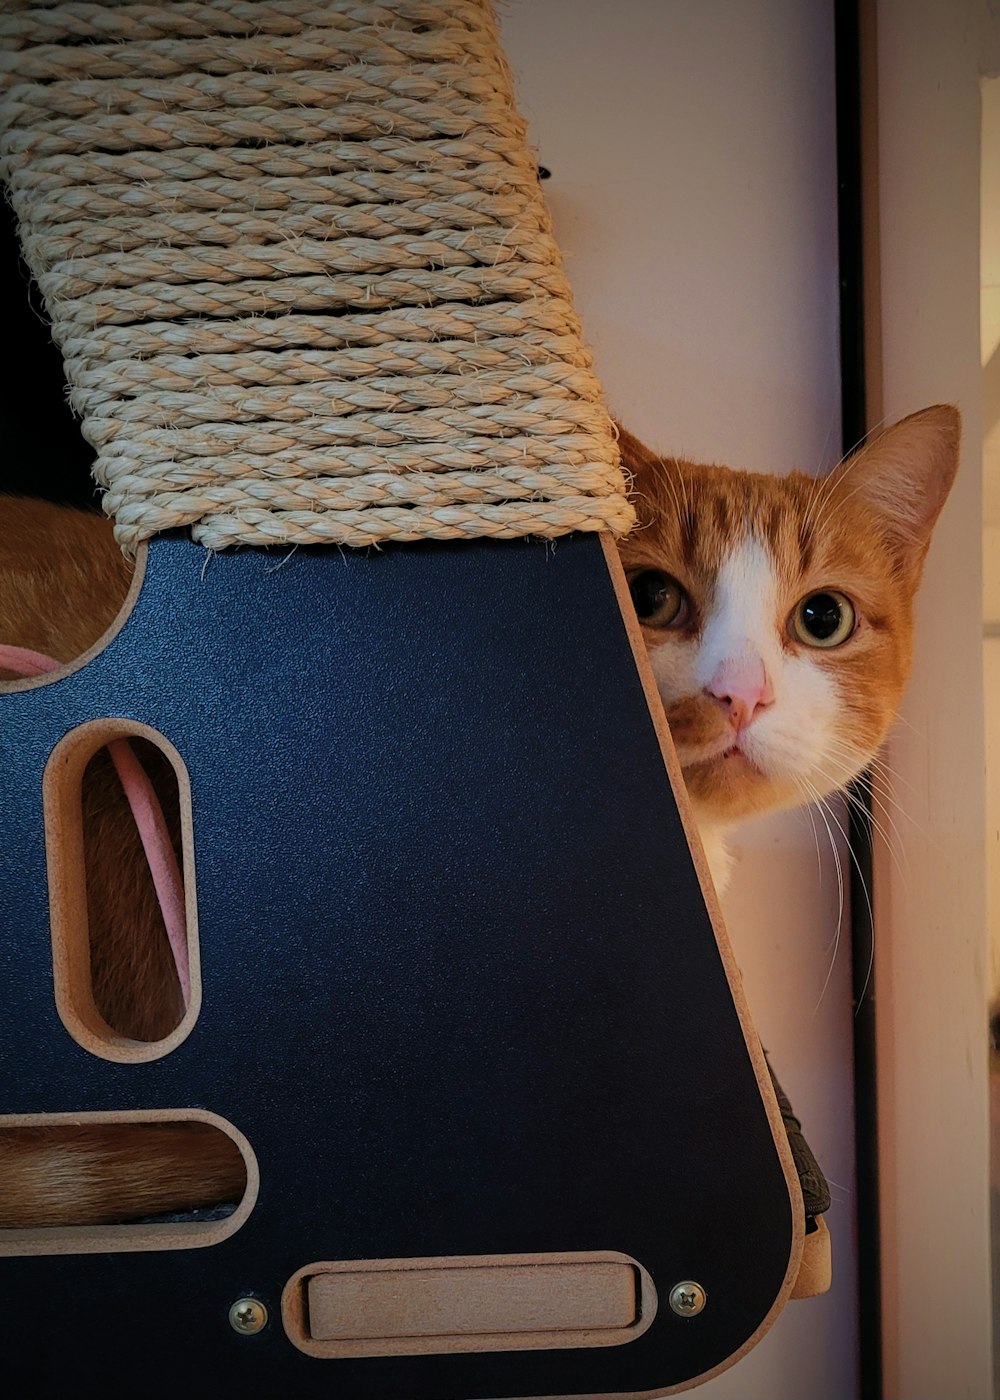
(492, 1302)
(118, 984)
(138, 1179)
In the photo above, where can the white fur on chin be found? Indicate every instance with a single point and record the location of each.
(719, 857)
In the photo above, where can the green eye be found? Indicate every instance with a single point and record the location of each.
(822, 619)
(658, 598)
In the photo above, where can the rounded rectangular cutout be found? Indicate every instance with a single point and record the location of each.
(514, 1302)
(120, 990)
(137, 1179)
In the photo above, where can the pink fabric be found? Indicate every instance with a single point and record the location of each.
(149, 820)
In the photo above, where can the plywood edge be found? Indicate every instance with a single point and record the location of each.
(564, 1328)
(64, 849)
(816, 1270)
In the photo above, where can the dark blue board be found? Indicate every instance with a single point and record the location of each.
(461, 992)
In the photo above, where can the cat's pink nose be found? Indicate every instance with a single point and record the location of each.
(742, 687)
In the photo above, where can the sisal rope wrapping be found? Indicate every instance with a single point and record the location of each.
(298, 264)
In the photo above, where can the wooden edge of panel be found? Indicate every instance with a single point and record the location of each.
(113, 1239)
(61, 787)
(816, 1270)
(754, 1048)
(103, 641)
(562, 1333)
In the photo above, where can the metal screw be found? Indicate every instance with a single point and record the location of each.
(247, 1316)
(688, 1298)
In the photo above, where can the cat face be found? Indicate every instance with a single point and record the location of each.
(778, 610)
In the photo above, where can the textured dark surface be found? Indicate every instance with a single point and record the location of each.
(460, 989)
(812, 1183)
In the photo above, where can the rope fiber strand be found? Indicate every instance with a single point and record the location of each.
(300, 269)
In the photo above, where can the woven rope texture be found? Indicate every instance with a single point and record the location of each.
(297, 260)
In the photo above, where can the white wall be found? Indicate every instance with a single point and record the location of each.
(694, 196)
(931, 927)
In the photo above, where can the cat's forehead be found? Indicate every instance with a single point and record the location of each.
(701, 518)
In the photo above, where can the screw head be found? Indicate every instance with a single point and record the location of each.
(688, 1298)
(247, 1316)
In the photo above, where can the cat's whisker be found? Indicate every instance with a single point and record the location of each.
(835, 503)
(851, 458)
(825, 485)
(907, 724)
(812, 795)
(828, 483)
(887, 803)
(672, 488)
(868, 902)
(823, 510)
(684, 492)
(839, 1186)
(889, 806)
(816, 494)
(862, 486)
(883, 797)
(841, 893)
(886, 778)
(807, 809)
(857, 760)
(826, 444)
(878, 826)
(933, 842)
(848, 755)
(890, 777)
(818, 476)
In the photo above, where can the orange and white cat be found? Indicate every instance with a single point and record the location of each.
(778, 614)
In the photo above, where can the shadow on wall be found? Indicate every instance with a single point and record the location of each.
(44, 451)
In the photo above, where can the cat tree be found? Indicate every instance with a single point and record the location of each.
(474, 1025)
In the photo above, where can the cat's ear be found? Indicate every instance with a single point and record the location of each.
(905, 475)
(636, 458)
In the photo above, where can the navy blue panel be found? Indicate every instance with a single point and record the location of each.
(460, 989)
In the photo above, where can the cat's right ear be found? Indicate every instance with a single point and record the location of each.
(905, 475)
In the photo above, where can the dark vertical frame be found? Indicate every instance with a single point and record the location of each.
(854, 424)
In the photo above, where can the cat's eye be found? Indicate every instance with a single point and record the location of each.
(658, 598)
(824, 619)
